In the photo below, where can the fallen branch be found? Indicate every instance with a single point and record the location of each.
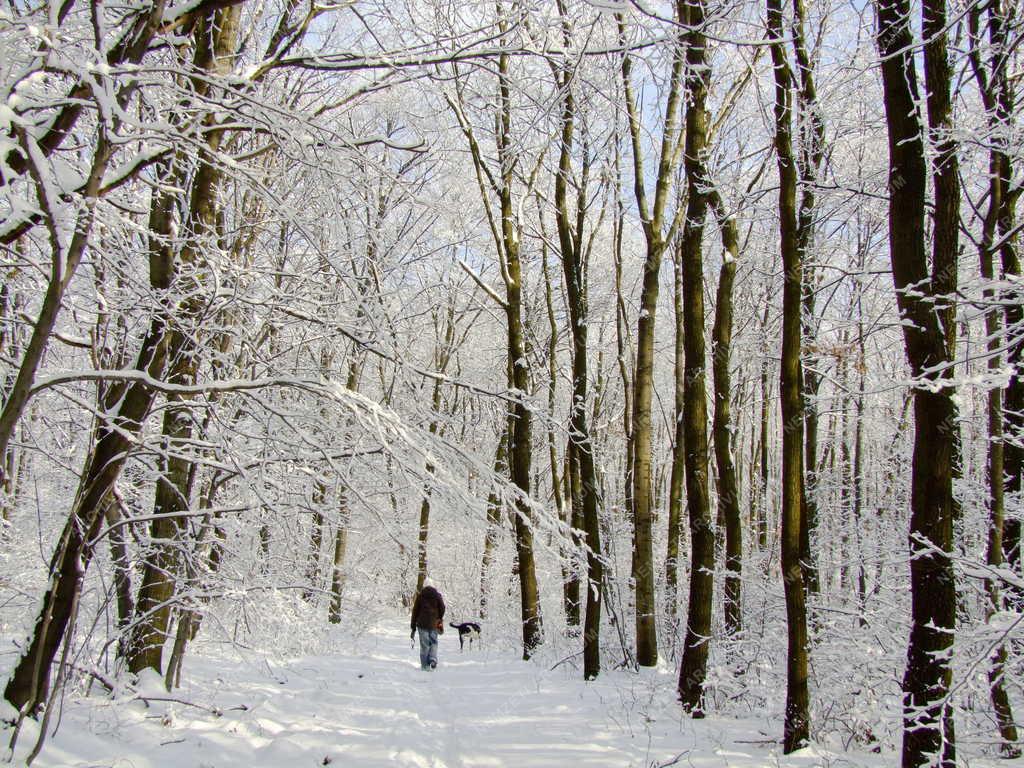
(215, 711)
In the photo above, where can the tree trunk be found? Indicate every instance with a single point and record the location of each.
(575, 256)
(63, 264)
(338, 566)
(355, 371)
(809, 160)
(575, 520)
(506, 231)
(997, 98)
(216, 43)
(12, 342)
(570, 571)
(623, 343)
(160, 572)
(119, 557)
(421, 539)
(996, 497)
(693, 669)
(494, 518)
(316, 538)
(125, 407)
(796, 730)
(130, 48)
(762, 505)
(678, 471)
(927, 718)
(728, 486)
(858, 464)
(519, 454)
(190, 617)
(657, 239)
(520, 417)
(643, 514)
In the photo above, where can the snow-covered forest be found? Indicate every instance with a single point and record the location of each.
(678, 343)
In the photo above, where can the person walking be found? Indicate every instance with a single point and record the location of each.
(428, 620)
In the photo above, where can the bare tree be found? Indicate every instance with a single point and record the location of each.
(796, 729)
(659, 228)
(216, 45)
(575, 249)
(693, 669)
(927, 717)
(503, 220)
(997, 97)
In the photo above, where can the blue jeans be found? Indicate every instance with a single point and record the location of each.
(428, 648)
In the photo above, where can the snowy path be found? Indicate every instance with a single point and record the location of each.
(375, 708)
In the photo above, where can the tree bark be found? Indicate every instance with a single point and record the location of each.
(338, 563)
(520, 421)
(678, 469)
(809, 160)
(657, 240)
(495, 507)
(997, 98)
(316, 538)
(567, 515)
(506, 232)
(796, 729)
(216, 43)
(119, 557)
(575, 255)
(995, 475)
(927, 719)
(126, 406)
(762, 503)
(355, 371)
(728, 485)
(693, 669)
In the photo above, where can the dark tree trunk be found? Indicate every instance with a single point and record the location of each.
(160, 572)
(571, 515)
(809, 160)
(574, 483)
(995, 471)
(762, 502)
(355, 372)
(520, 420)
(574, 256)
(216, 43)
(997, 98)
(927, 719)
(728, 486)
(678, 470)
(796, 730)
(126, 406)
(693, 669)
(520, 417)
(117, 522)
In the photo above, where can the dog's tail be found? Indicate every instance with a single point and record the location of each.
(453, 624)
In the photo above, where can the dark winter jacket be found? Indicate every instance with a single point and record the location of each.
(428, 609)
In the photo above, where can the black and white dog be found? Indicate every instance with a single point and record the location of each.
(468, 630)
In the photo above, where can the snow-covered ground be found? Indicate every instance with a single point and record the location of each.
(370, 705)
